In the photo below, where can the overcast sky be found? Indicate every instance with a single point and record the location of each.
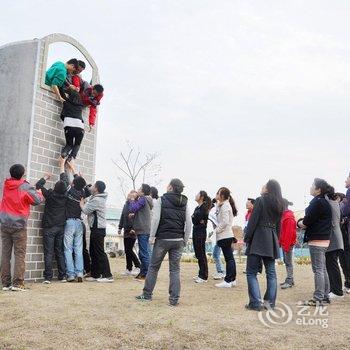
(231, 93)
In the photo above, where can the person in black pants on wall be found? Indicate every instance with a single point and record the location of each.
(126, 223)
(73, 124)
(95, 209)
(199, 234)
(53, 222)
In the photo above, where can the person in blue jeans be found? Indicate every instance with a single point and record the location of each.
(73, 242)
(220, 271)
(261, 236)
(73, 231)
(140, 209)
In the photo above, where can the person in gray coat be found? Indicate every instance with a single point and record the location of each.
(336, 246)
(261, 237)
(95, 209)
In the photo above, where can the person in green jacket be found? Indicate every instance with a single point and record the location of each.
(56, 75)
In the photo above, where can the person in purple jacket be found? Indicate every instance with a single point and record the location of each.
(140, 208)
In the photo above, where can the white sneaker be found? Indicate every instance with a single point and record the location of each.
(195, 277)
(20, 288)
(335, 296)
(224, 284)
(135, 271)
(218, 276)
(46, 282)
(105, 280)
(346, 290)
(200, 280)
(127, 273)
(90, 279)
(7, 289)
(234, 283)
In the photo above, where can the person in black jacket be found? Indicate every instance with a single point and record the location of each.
(73, 232)
(199, 234)
(318, 226)
(54, 219)
(261, 236)
(126, 224)
(73, 124)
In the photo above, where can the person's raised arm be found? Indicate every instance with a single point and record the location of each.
(88, 207)
(63, 175)
(40, 185)
(137, 205)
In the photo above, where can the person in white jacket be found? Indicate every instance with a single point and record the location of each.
(224, 235)
(213, 217)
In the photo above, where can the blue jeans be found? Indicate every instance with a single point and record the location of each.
(253, 265)
(144, 252)
(217, 258)
(73, 240)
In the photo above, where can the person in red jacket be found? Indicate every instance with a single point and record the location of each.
(287, 240)
(18, 196)
(91, 96)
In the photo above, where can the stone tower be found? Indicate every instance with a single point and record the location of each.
(31, 128)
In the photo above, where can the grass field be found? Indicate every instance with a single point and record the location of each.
(95, 316)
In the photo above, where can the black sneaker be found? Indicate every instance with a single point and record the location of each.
(143, 298)
(326, 300)
(172, 304)
(257, 308)
(80, 279)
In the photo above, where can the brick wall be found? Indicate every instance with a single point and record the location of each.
(47, 141)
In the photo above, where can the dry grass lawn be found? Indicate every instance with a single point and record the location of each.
(95, 316)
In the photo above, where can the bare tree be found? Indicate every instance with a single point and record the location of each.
(133, 166)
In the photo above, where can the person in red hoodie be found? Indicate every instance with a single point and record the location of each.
(287, 240)
(18, 196)
(91, 96)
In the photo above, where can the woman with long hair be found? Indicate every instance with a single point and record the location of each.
(224, 235)
(318, 226)
(199, 234)
(261, 237)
